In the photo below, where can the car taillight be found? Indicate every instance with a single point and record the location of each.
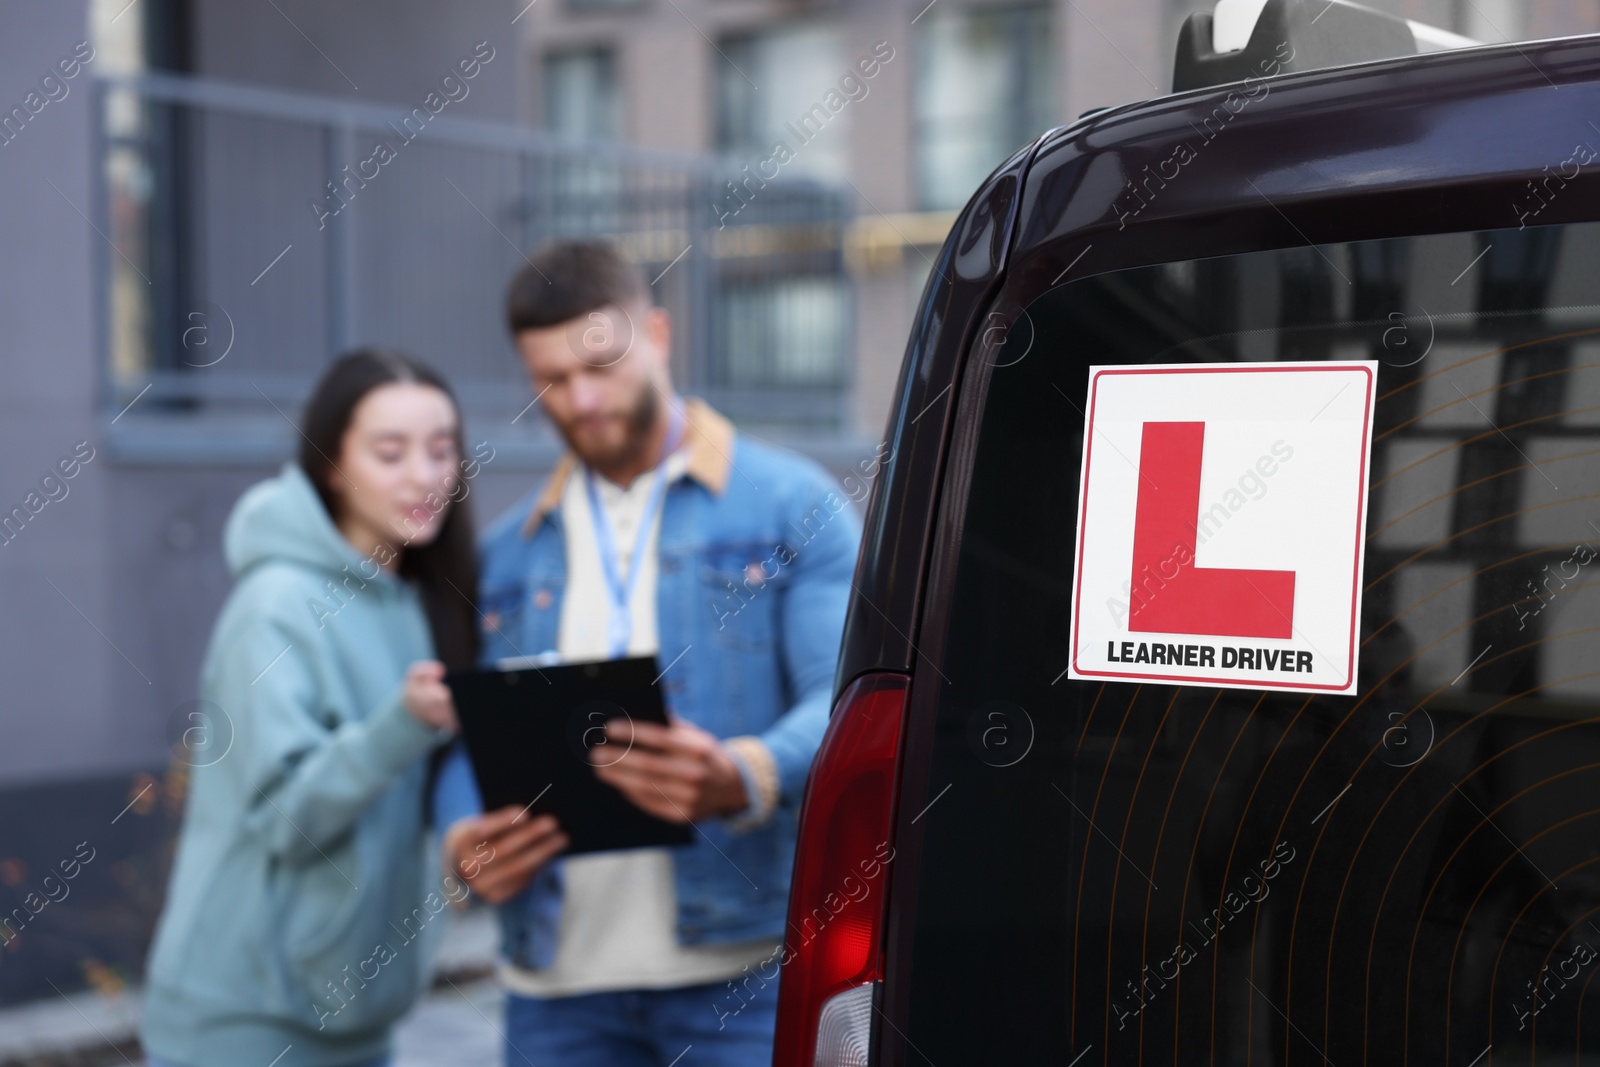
(831, 961)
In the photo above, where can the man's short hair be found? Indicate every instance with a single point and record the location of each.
(565, 279)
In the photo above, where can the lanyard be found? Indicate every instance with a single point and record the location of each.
(619, 626)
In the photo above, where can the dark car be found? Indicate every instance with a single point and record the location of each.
(1017, 850)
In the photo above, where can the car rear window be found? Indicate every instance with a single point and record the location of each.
(1152, 873)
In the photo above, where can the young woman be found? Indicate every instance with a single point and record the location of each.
(305, 894)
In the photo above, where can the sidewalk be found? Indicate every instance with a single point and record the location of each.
(458, 1022)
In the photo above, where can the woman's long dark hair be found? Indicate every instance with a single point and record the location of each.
(446, 569)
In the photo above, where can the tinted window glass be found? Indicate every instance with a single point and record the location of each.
(1196, 875)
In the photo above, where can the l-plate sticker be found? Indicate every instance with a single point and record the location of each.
(1221, 521)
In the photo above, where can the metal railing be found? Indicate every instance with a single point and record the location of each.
(254, 233)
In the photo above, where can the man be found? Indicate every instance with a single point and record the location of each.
(661, 531)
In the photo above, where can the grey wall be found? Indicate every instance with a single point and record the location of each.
(61, 688)
(386, 51)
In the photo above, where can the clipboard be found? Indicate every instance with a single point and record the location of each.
(535, 734)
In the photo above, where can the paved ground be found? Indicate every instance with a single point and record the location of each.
(458, 1023)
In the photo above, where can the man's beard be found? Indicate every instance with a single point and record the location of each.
(637, 423)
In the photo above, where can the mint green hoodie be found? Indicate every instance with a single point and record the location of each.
(306, 895)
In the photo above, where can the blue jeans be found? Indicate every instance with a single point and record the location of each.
(643, 1028)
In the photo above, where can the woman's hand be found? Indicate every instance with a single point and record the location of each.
(426, 696)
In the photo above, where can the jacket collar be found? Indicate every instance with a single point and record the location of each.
(708, 439)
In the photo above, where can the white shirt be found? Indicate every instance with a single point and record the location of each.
(619, 909)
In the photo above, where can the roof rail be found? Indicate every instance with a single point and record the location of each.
(1260, 38)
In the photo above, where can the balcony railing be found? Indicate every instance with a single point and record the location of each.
(252, 234)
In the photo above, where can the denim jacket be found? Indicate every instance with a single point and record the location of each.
(756, 552)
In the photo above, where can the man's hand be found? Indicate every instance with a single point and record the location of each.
(679, 773)
(499, 852)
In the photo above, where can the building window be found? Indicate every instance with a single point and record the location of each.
(795, 68)
(785, 334)
(984, 87)
(152, 166)
(581, 99)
